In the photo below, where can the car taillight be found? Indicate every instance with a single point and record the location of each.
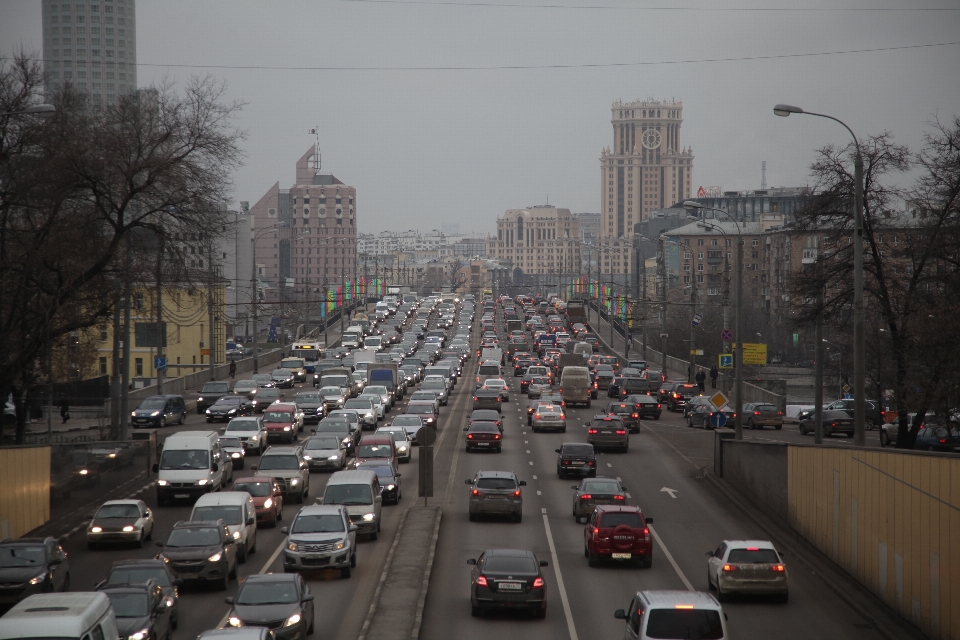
(475, 398)
(563, 416)
(586, 496)
(537, 416)
(469, 436)
(646, 534)
(621, 432)
(634, 415)
(833, 424)
(475, 492)
(594, 385)
(729, 567)
(778, 567)
(596, 533)
(619, 497)
(591, 463)
(942, 441)
(538, 583)
(496, 436)
(779, 413)
(756, 413)
(658, 405)
(591, 431)
(676, 395)
(481, 581)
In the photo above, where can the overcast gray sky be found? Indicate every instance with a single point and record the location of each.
(426, 147)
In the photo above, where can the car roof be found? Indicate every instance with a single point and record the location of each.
(197, 524)
(611, 508)
(749, 544)
(124, 501)
(670, 599)
(509, 553)
(270, 577)
(496, 474)
(321, 509)
(280, 450)
(24, 541)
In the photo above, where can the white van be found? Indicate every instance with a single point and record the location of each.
(373, 343)
(191, 464)
(673, 614)
(575, 385)
(584, 349)
(237, 511)
(359, 492)
(74, 616)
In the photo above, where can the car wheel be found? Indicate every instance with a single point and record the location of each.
(518, 518)
(647, 562)
(163, 421)
(563, 430)
(142, 540)
(183, 415)
(346, 572)
(475, 611)
(586, 552)
(778, 427)
(242, 555)
(883, 439)
(593, 560)
(710, 582)
(223, 584)
(374, 535)
(721, 596)
(542, 612)
(803, 431)
(233, 574)
(66, 583)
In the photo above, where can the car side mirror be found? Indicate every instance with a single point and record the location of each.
(649, 520)
(253, 467)
(251, 521)
(472, 561)
(523, 483)
(574, 487)
(466, 428)
(354, 527)
(158, 543)
(623, 488)
(228, 600)
(557, 450)
(543, 563)
(468, 481)
(308, 598)
(156, 467)
(620, 614)
(318, 501)
(709, 554)
(215, 467)
(284, 530)
(587, 423)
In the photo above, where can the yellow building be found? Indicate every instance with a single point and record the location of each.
(186, 319)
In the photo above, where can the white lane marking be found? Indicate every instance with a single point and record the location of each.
(534, 477)
(571, 628)
(524, 433)
(618, 479)
(609, 465)
(263, 569)
(528, 450)
(538, 493)
(672, 492)
(629, 497)
(526, 442)
(673, 562)
(531, 464)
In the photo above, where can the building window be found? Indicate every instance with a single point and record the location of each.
(103, 333)
(138, 367)
(103, 365)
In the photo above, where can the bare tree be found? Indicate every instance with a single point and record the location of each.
(456, 274)
(74, 187)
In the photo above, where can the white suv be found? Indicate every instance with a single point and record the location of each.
(673, 614)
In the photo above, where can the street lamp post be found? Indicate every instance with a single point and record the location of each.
(859, 366)
(738, 323)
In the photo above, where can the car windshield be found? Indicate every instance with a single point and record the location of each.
(261, 377)
(128, 605)
(484, 427)
(374, 451)
(424, 395)
(577, 449)
(489, 370)
(696, 624)
(216, 387)
(333, 426)
(357, 403)
(433, 384)
(753, 556)
(384, 473)
(229, 514)
(272, 592)
(613, 520)
(185, 459)
(232, 443)
(243, 425)
(308, 397)
(407, 421)
(152, 403)
(281, 373)
(277, 416)
(229, 400)
(279, 462)
(245, 385)
(764, 407)
(268, 393)
(255, 489)
(17, 556)
(601, 486)
(347, 494)
(496, 483)
(134, 575)
(419, 408)
(198, 537)
(507, 564)
(324, 442)
(323, 523)
(330, 391)
(291, 364)
(118, 511)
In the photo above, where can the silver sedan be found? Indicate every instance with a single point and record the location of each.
(548, 417)
(594, 491)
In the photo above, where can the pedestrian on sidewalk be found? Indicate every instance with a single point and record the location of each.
(233, 368)
(64, 408)
(714, 374)
(701, 379)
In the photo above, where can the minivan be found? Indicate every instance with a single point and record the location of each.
(237, 511)
(191, 464)
(84, 616)
(159, 411)
(377, 447)
(359, 491)
(575, 387)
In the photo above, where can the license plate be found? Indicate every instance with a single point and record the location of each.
(510, 586)
(483, 444)
(621, 556)
(312, 556)
(181, 495)
(577, 463)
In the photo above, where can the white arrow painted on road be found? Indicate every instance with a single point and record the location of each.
(672, 492)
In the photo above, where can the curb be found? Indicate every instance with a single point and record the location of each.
(383, 577)
(881, 618)
(422, 600)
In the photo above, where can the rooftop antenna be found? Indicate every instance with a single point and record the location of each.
(763, 174)
(316, 153)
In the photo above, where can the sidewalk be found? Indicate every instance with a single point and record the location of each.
(617, 347)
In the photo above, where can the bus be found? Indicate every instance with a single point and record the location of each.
(311, 352)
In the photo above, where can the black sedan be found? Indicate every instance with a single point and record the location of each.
(280, 601)
(576, 458)
(508, 579)
(645, 406)
(229, 407)
(389, 480)
(704, 415)
(484, 436)
(141, 609)
(486, 415)
(833, 421)
(311, 403)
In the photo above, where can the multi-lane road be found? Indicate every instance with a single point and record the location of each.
(690, 519)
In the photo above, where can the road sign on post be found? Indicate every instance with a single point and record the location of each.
(719, 399)
(697, 319)
(726, 361)
(726, 335)
(160, 362)
(753, 352)
(718, 419)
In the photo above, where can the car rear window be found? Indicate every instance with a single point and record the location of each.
(485, 427)
(764, 407)
(489, 370)
(702, 624)
(578, 449)
(496, 483)
(753, 556)
(601, 486)
(611, 520)
(505, 564)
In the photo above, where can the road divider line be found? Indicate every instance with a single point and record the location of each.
(571, 627)
(673, 562)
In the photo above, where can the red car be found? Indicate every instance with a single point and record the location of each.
(282, 422)
(618, 533)
(267, 498)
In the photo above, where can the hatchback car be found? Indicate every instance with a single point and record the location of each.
(507, 579)
(705, 415)
(159, 411)
(282, 421)
(761, 414)
(607, 431)
(487, 399)
(311, 405)
(618, 533)
(548, 416)
(576, 458)
(833, 421)
(321, 537)
(628, 413)
(424, 410)
(645, 406)
(202, 551)
(680, 394)
(484, 436)
(277, 601)
(673, 614)
(282, 378)
(267, 498)
(325, 452)
(593, 491)
(120, 521)
(495, 493)
(748, 567)
(936, 437)
(376, 448)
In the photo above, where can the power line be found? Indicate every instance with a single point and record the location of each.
(508, 5)
(521, 67)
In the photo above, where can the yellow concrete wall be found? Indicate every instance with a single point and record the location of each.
(24, 489)
(891, 519)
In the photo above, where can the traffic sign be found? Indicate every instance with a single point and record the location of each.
(697, 318)
(718, 419)
(726, 361)
(160, 362)
(719, 399)
(753, 352)
(726, 335)
(426, 436)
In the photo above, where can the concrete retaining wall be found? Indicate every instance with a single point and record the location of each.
(760, 471)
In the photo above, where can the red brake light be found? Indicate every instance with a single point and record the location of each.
(658, 405)
(591, 431)
(586, 496)
(779, 413)
(619, 497)
(729, 567)
(475, 492)
(833, 424)
(469, 436)
(753, 548)
(778, 567)
(756, 413)
(538, 583)
(482, 581)
(516, 493)
(496, 436)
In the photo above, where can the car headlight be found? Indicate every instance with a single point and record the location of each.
(292, 546)
(337, 457)
(38, 578)
(268, 503)
(234, 455)
(232, 411)
(236, 535)
(162, 483)
(391, 487)
(200, 399)
(295, 482)
(164, 558)
(154, 414)
(253, 438)
(96, 529)
(128, 528)
(339, 545)
(215, 557)
(202, 482)
(234, 621)
(286, 428)
(346, 440)
(307, 457)
(292, 620)
(368, 517)
(83, 472)
(402, 448)
(208, 410)
(139, 635)
(133, 414)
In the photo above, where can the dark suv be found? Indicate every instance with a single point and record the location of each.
(210, 393)
(141, 609)
(29, 566)
(576, 458)
(142, 570)
(618, 533)
(496, 493)
(680, 395)
(201, 550)
(628, 414)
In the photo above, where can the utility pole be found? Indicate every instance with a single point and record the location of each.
(125, 344)
(160, 332)
(738, 336)
(818, 357)
(693, 332)
(254, 303)
(115, 415)
(210, 344)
